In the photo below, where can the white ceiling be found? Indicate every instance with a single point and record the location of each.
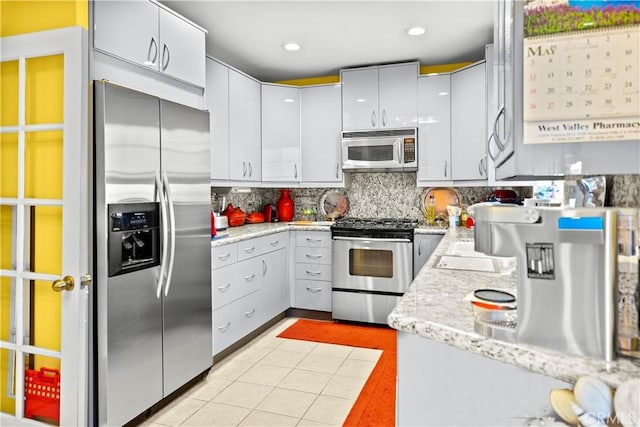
(248, 35)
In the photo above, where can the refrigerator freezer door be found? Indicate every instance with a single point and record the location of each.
(134, 342)
(128, 316)
(187, 307)
(131, 134)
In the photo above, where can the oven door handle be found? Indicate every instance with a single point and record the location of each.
(368, 239)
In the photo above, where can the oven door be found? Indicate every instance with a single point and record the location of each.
(376, 265)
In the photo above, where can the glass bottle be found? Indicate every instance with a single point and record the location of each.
(431, 210)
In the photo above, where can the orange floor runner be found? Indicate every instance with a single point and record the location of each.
(376, 405)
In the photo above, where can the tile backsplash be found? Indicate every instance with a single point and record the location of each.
(378, 195)
(396, 195)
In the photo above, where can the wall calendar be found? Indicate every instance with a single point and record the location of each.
(582, 86)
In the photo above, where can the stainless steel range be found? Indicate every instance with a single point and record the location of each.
(372, 267)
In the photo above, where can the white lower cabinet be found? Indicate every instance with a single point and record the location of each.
(312, 290)
(249, 286)
(423, 247)
(489, 392)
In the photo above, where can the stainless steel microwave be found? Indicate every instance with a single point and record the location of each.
(384, 150)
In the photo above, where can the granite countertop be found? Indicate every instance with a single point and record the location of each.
(433, 308)
(249, 231)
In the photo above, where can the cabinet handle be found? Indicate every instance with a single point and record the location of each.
(313, 256)
(337, 170)
(314, 290)
(311, 239)
(274, 243)
(446, 164)
(480, 165)
(373, 118)
(295, 170)
(224, 288)
(250, 313)
(384, 118)
(264, 268)
(250, 278)
(153, 43)
(484, 162)
(420, 248)
(250, 170)
(491, 137)
(313, 273)
(500, 144)
(225, 327)
(224, 257)
(165, 64)
(250, 250)
(244, 169)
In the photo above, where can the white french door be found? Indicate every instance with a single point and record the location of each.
(44, 228)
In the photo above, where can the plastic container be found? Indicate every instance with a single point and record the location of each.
(42, 394)
(493, 314)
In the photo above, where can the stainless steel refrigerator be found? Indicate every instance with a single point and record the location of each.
(151, 313)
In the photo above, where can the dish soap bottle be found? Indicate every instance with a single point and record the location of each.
(431, 210)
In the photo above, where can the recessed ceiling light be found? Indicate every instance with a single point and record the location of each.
(288, 100)
(415, 31)
(292, 46)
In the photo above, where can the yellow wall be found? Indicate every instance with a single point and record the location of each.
(424, 69)
(21, 17)
(43, 163)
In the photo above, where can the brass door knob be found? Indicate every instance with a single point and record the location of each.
(65, 284)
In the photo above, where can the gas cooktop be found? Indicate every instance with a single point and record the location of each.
(374, 227)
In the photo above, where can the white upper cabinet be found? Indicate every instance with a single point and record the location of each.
(149, 35)
(182, 49)
(382, 97)
(217, 102)
(244, 128)
(468, 123)
(434, 128)
(280, 133)
(321, 122)
(359, 99)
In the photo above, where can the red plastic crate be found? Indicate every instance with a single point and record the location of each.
(42, 394)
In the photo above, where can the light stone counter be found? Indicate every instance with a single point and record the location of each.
(249, 231)
(433, 308)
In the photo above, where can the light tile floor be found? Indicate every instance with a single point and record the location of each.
(275, 382)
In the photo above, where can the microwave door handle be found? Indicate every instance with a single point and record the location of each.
(165, 233)
(172, 219)
(400, 153)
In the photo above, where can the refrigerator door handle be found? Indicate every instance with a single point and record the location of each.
(165, 232)
(172, 230)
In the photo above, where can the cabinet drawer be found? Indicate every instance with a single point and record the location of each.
(313, 255)
(261, 245)
(227, 325)
(225, 285)
(313, 239)
(313, 271)
(313, 295)
(235, 320)
(249, 275)
(223, 255)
